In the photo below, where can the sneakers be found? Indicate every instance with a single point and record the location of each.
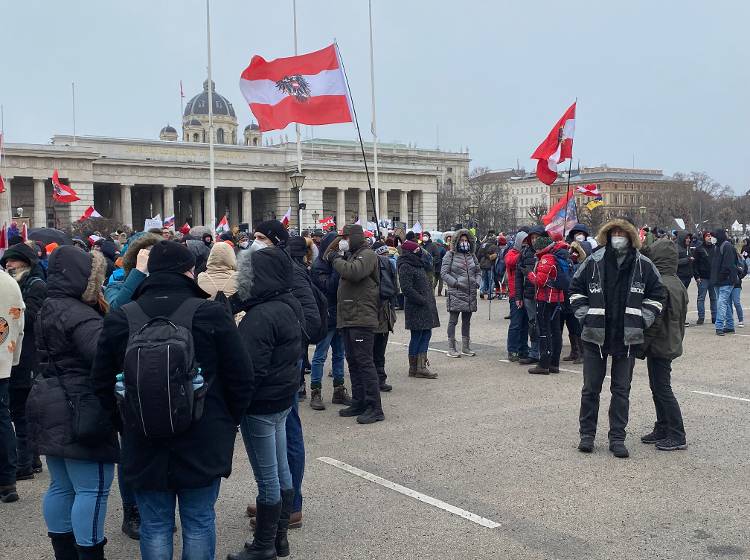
(537, 370)
(687, 323)
(720, 333)
(513, 357)
(8, 494)
(352, 410)
(36, 464)
(370, 416)
(741, 325)
(728, 331)
(586, 444)
(652, 437)
(341, 396)
(671, 444)
(526, 360)
(618, 449)
(316, 400)
(700, 321)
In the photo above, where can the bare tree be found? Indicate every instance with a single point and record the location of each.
(537, 211)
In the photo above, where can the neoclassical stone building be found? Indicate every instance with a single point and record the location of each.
(131, 180)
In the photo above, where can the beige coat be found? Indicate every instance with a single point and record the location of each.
(11, 324)
(221, 271)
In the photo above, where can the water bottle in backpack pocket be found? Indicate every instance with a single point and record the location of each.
(164, 389)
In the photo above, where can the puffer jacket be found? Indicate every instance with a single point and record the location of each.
(724, 263)
(221, 271)
(420, 309)
(463, 276)
(643, 300)
(704, 256)
(664, 338)
(358, 298)
(684, 257)
(67, 331)
(546, 272)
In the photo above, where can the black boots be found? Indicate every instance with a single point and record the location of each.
(263, 546)
(574, 355)
(341, 396)
(287, 503)
(95, 552)
(618, 449)
(316, 399)
(64, 546)
(131, 522)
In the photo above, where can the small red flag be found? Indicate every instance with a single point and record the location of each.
(2, 184)
(90, 212)
(61, 192)
(556, 148)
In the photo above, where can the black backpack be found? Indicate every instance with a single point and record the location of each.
(387, 285)
(159, 368)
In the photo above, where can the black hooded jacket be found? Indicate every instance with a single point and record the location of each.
(325, 277)
(271, 329)
(684, 257)
(195, 458)
(724, 263)
(704, 256)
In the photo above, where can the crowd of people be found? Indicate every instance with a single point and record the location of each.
(142, 355)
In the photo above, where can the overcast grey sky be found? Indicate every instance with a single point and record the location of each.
(665, 81)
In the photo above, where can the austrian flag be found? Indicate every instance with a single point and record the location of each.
(306, 89)
(61, 192)
(556, 148)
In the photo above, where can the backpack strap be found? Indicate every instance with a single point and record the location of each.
(183, 315)
(136, 317)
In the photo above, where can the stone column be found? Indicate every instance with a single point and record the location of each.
(383, 204)
(314, 203)
(340, 207)
(116, 204)
(428, 209)
(196, 206)
(404, 207)
(156, 205)
(234, 206)
(363, 207)
(247, 205)
(169, 191)
(126, 205)
(40, 203)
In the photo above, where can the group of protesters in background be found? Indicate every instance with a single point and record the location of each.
(84, 322)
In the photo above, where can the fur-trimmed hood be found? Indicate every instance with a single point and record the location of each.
(76, 274)
(130, 257)
(603, 236)
(457, 236)
(575, 247)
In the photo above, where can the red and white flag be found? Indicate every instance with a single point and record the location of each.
(25, 232)
(90, 212)
(286, 218)
(2, 184)
(589, 190)
(306, 89)
(223, 225)
(60, 192)
(556, 148)
(327, 222)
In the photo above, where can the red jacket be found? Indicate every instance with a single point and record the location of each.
(511, 262)
(545, 273)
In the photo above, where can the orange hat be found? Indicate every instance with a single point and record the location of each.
(50, 247)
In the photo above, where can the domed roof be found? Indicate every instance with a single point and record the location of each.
(198, 105)
(194, 122)
(168, 128)
(252, 126)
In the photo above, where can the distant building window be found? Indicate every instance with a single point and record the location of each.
(449, 185)
(450, 170)
(195, 137)
(220, 136)
(255, 141)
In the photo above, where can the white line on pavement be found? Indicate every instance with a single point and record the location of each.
(721, 396)
(561, 369)
(484, 522)
(432, 349)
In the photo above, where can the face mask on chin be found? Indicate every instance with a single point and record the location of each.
(619, 242)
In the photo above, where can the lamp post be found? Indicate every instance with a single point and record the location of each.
(642, 212)
(315, 216)
(473, 209)
(298, 180)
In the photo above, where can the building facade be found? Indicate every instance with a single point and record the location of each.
(130, 180)
(528, 197)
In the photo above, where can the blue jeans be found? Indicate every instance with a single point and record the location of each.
(518, 330)
(724, 316)
(76, 499)
(197, 520)
(295, 452)
(265, 442)
(736, 293)
(488, 282)
(704, 287)
(336, 343)
(7, 438)
(419, 342)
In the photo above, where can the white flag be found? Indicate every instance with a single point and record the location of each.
(417, 227)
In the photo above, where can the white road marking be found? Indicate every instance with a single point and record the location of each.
(431, 349)
(743, 399)
(411, 493)
(561, 369)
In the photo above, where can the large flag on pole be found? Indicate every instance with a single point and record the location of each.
(222, 226)
(562, 216)
(556, 148)
(589, 190)
(286, 218)
(61, 192)
(90, 212)
(306, 89)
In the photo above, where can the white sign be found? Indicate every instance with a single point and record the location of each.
(680, 223)
(152, 223)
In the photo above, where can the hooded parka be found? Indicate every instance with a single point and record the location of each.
(462, 274)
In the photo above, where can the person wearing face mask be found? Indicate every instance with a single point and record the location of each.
(704, 256)
(616, 294)
(723, 278)
(243, 241)
(580, 234)
(525, 291)
(462, 274)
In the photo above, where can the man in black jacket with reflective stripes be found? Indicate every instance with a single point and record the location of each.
(616, 293)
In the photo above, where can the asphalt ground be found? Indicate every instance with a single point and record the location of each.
(500, 445)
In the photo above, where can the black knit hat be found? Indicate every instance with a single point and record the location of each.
(274, 230)
(170, 256)
(19, 252)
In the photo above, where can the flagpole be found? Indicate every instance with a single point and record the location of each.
(182, 102)
(297, 129)
(374, 125)
(567, 190)
(212, 209)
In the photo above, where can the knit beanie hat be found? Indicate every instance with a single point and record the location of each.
(409, 246)
(542, 242)
(170, 256)
(274, 230)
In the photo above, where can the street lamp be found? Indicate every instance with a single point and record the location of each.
(473, 209)
(298, 179)
(315, 216)
(642, 212)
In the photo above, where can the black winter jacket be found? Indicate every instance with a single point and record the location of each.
(271, 329)
(67, 330)
(34, 291)
(526, 263)
(684, 256)
(197, 457)
(724, 264)
(420, 309)
(325, 277)
(704, 256)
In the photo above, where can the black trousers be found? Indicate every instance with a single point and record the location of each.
(594, 372)
(358, 345)
(668, 414)
(378, 351)
(548, 320)
(18, 398)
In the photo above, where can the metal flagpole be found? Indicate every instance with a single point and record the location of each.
(211, 193)
(297, 129)
(373, 127)
(73, 88)
(182, 101)
(567, 190)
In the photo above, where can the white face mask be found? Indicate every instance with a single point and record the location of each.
(713, 240)
(244, 244)
(344, 245)
(619, 242)
(257, 246)
(580, 238)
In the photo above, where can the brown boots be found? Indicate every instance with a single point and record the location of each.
(576, 350)
(423, 371)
